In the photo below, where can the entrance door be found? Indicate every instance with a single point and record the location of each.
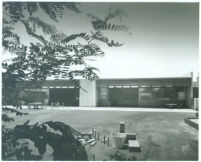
(64, 96)
(123, 97)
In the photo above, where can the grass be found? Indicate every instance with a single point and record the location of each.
(162, 135)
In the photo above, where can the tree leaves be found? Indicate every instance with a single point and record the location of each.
(55, 10)
(9, 38)
(99, 36)
(31, 7)
(31, 32)
(103, 24)
(15, 10)
(88, 73)
(74, 36)
(64, 146)
(55, 52)
(47, 28)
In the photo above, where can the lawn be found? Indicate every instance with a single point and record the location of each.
(162, 135)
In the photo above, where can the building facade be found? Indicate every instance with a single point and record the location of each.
(140, 92)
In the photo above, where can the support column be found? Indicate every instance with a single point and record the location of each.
(191, 92)
(87, 93)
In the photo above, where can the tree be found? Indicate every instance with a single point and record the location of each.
(53, 53)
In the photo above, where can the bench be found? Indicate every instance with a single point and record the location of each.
(93, 143)
(91, 140)
(171, 105)
(36, 105)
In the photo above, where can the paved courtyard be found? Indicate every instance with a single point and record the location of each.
(162, 135)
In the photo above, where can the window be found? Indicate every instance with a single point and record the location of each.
(181, 96)
(128, 97)
(146, 96)
(180, 93)
(102, 93)
(126, 86)
(118, 86)
(195, 92)
(145, 93)
(134, 86)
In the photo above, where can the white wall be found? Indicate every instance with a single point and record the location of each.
(87, 93)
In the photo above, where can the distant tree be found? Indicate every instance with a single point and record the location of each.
(53, 52)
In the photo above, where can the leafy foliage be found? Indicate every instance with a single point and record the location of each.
(104, 24)
(6, 109)
(54, 10)
(54, 53)
(60, 137)
(6, 118)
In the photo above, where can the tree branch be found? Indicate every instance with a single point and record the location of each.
(31, 33)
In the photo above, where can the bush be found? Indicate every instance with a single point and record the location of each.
(49, 140)
(6, 118)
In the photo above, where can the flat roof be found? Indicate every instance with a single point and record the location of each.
(143, 78)
(154, 78)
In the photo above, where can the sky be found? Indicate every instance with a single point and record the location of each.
(163, 38)
(164, 41)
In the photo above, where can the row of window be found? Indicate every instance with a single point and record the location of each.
(160, 94)
(143, 86)
(51, 87)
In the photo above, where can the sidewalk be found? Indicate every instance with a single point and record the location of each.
(131, 109)
(124, 109)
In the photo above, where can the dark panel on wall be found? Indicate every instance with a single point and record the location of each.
(103, 96)
(195, 92)
(123, 96)
(145, 82)
(153, 92)
(65, 96)
(160, 97)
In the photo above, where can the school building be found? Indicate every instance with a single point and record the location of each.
(177, 92)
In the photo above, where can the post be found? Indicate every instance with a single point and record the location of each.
(122, 127)
(108, 141)
(93, 133)
(104, 139)
(191, 92)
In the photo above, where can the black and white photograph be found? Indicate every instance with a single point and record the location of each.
(99, 81)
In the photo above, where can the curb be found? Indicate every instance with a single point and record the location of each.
(191, 123)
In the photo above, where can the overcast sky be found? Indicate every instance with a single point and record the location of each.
(163, 43)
